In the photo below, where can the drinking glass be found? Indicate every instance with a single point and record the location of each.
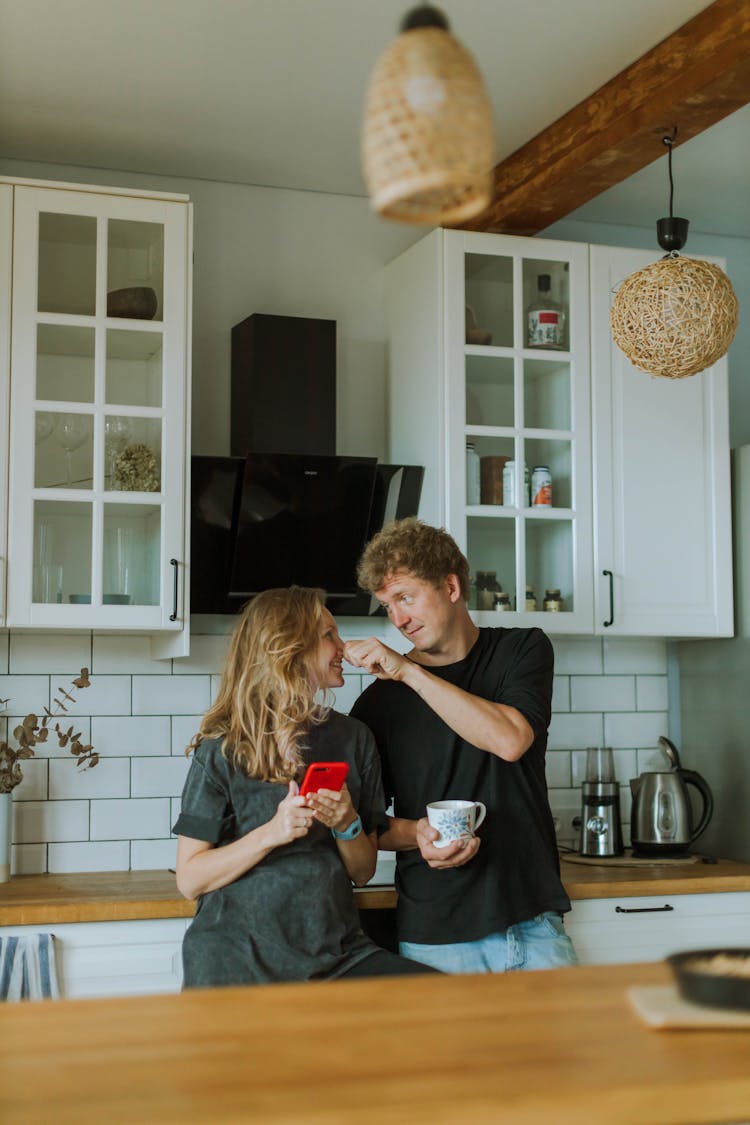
(72, 431)
(117, 431)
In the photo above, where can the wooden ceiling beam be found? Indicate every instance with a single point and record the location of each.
(692, 79)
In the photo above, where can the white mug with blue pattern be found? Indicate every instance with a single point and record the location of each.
(455, 820)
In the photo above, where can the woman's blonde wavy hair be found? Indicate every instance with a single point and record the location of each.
(265, 704)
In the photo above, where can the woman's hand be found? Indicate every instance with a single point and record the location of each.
(332, 809)
(292, 819)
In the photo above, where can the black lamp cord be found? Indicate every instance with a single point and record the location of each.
(669, 141)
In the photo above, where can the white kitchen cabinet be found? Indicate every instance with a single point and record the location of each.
(450, 384)
(99, 412)
(6, 259)
(133, 958)
(638, 536)
(662, 502)
(648, 928)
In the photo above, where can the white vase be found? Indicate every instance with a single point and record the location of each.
(6, 834)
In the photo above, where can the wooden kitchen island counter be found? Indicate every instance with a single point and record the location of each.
(109, 896)
(559, 1046)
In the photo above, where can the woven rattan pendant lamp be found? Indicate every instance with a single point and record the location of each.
(428, 142)
(677, 316)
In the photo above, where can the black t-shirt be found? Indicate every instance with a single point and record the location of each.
(516, 872)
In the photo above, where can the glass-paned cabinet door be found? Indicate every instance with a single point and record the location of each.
(518, 410)
(98, 410)
(6, 258)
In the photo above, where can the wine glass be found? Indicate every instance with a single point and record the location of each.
(117, 431)
(72, 431)
(44, 424)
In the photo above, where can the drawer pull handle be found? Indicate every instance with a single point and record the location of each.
(642, 909)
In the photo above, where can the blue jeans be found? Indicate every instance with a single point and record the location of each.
(540, 943)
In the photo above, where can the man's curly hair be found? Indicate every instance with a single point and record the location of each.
(426, 552)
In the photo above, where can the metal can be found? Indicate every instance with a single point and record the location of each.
(541, 487)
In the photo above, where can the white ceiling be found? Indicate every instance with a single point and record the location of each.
(270, 92)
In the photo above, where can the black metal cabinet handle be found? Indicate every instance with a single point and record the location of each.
(643, 909)
(173, 614)
(608, 574)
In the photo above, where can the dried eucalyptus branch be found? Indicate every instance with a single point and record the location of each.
(31, 732)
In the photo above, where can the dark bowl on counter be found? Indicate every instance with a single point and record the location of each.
(715, 978)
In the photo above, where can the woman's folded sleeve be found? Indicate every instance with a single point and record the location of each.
(206, 812)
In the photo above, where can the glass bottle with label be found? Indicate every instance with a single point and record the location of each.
(487, 587)
(545, 319)
(553, 603)
(473, 491)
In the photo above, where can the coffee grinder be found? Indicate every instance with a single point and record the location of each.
(601, 829)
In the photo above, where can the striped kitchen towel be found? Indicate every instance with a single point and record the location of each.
(27, 968)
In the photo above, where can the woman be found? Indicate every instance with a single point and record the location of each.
(273, 870)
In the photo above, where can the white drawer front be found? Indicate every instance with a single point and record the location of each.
(648, 928)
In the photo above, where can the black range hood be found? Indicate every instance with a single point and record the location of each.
(284, 508)
(277, 519)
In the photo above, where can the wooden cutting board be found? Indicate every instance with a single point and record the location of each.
(630, 860)
(663, 1007)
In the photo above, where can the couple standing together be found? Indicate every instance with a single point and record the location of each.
(464, 714)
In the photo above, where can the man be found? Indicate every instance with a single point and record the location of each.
(464, 714)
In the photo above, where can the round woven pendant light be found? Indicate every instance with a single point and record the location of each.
(428, 142)
(677, 316)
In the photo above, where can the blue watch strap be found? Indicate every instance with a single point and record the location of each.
(351, 832)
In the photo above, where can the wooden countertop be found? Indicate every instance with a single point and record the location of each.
(514, 1049)
(118, 896)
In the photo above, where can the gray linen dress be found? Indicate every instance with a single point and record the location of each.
(292, 916)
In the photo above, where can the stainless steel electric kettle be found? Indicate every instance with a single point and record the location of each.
(661, 820)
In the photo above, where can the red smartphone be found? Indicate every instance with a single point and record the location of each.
(324, 775)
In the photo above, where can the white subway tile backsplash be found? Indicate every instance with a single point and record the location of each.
(173, 695)
(207, 654)
(109, 778)
(34, 785)
(125, 735)
(159, 777)
(130, 820)
(118, 653)
(557, 768)
(144, 713)
(41, 822)
(639, 655)
(602, 693)
(577, 655)
(570, 732)
(184, 729)
(24, 694)
(49, 653)
(153, 855)
(651, 693)
(111, 856)
(635, 730)
(28, 859)
(107, 695)
(561, 693)
(346, 696)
